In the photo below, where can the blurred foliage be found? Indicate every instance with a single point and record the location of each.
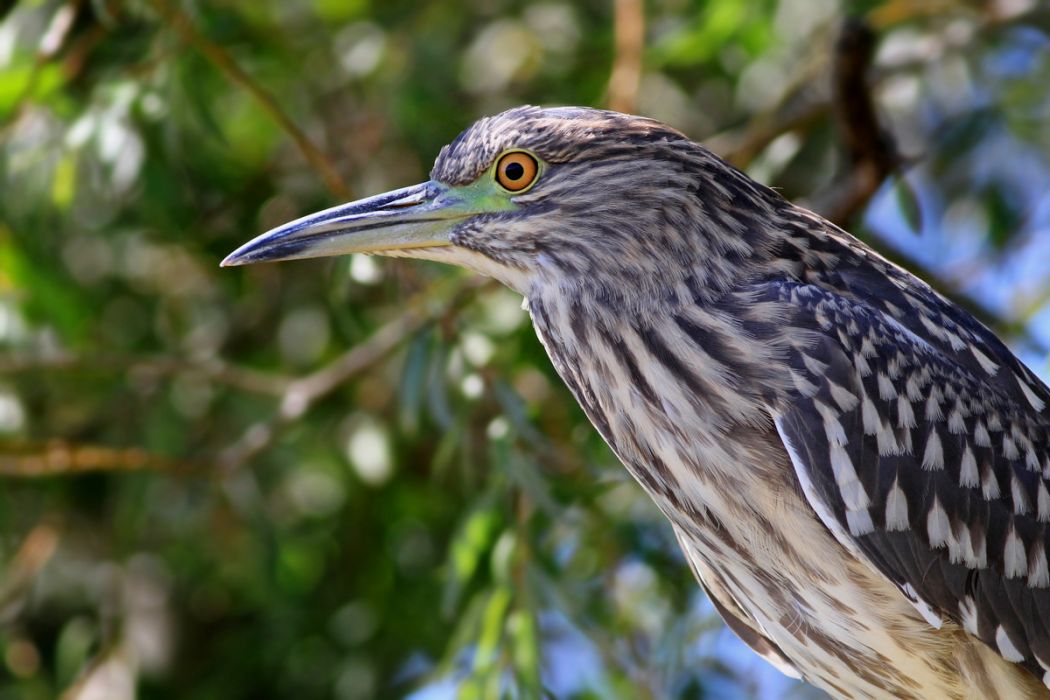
(361, 478)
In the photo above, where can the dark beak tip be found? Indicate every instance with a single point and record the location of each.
(243, 255)
(236, 259)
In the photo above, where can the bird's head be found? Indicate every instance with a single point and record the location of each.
(564, 196)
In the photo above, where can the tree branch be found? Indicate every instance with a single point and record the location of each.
(629, 30)
(872, 154)
(244, 378)
(740, 147)
(59, 457)
(429, 305)
(874, 157)
(225, 63)
(22, 569)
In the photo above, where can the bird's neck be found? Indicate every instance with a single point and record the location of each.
(676, 354)
(667, 388)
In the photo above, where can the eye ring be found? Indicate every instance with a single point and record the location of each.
(516, 171)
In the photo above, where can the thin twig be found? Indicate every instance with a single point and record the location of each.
(297, 395)
(111, 674)
(303, 393)
(32, 556)
(803, 103)
(629, 30)
(244, 378)
(59, 457)
(897, 12)
(225, 63)
(51, 43)
(741, 147)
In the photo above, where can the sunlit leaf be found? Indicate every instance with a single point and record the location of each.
(63, 186)
(908, 202)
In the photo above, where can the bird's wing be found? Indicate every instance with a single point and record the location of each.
(736, 618)
(932, 473)
(949, 328)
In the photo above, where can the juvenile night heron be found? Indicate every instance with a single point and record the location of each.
(855, 467)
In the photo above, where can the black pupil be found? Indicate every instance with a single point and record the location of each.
(514, 171)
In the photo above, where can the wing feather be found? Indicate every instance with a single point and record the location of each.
(922, 464)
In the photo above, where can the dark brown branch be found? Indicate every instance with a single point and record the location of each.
(855, 113)
(870, 149)
(873, 157)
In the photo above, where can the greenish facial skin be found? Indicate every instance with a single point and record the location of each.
(412, 218)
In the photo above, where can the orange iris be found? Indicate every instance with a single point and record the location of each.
(516, 170)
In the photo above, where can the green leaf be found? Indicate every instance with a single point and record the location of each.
(491, 629)
(525, 651)
(1004, 219)
(413, 379)
(908, 203)
(473, 541)
(63, 182)
(46, 296)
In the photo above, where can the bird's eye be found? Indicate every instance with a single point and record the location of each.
(516, 170)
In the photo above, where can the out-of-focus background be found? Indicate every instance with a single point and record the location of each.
(360, 478)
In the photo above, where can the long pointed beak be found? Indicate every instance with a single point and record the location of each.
(421, 216)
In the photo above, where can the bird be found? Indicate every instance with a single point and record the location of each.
(856, 469)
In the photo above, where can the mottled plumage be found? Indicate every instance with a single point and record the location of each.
(856, 468)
